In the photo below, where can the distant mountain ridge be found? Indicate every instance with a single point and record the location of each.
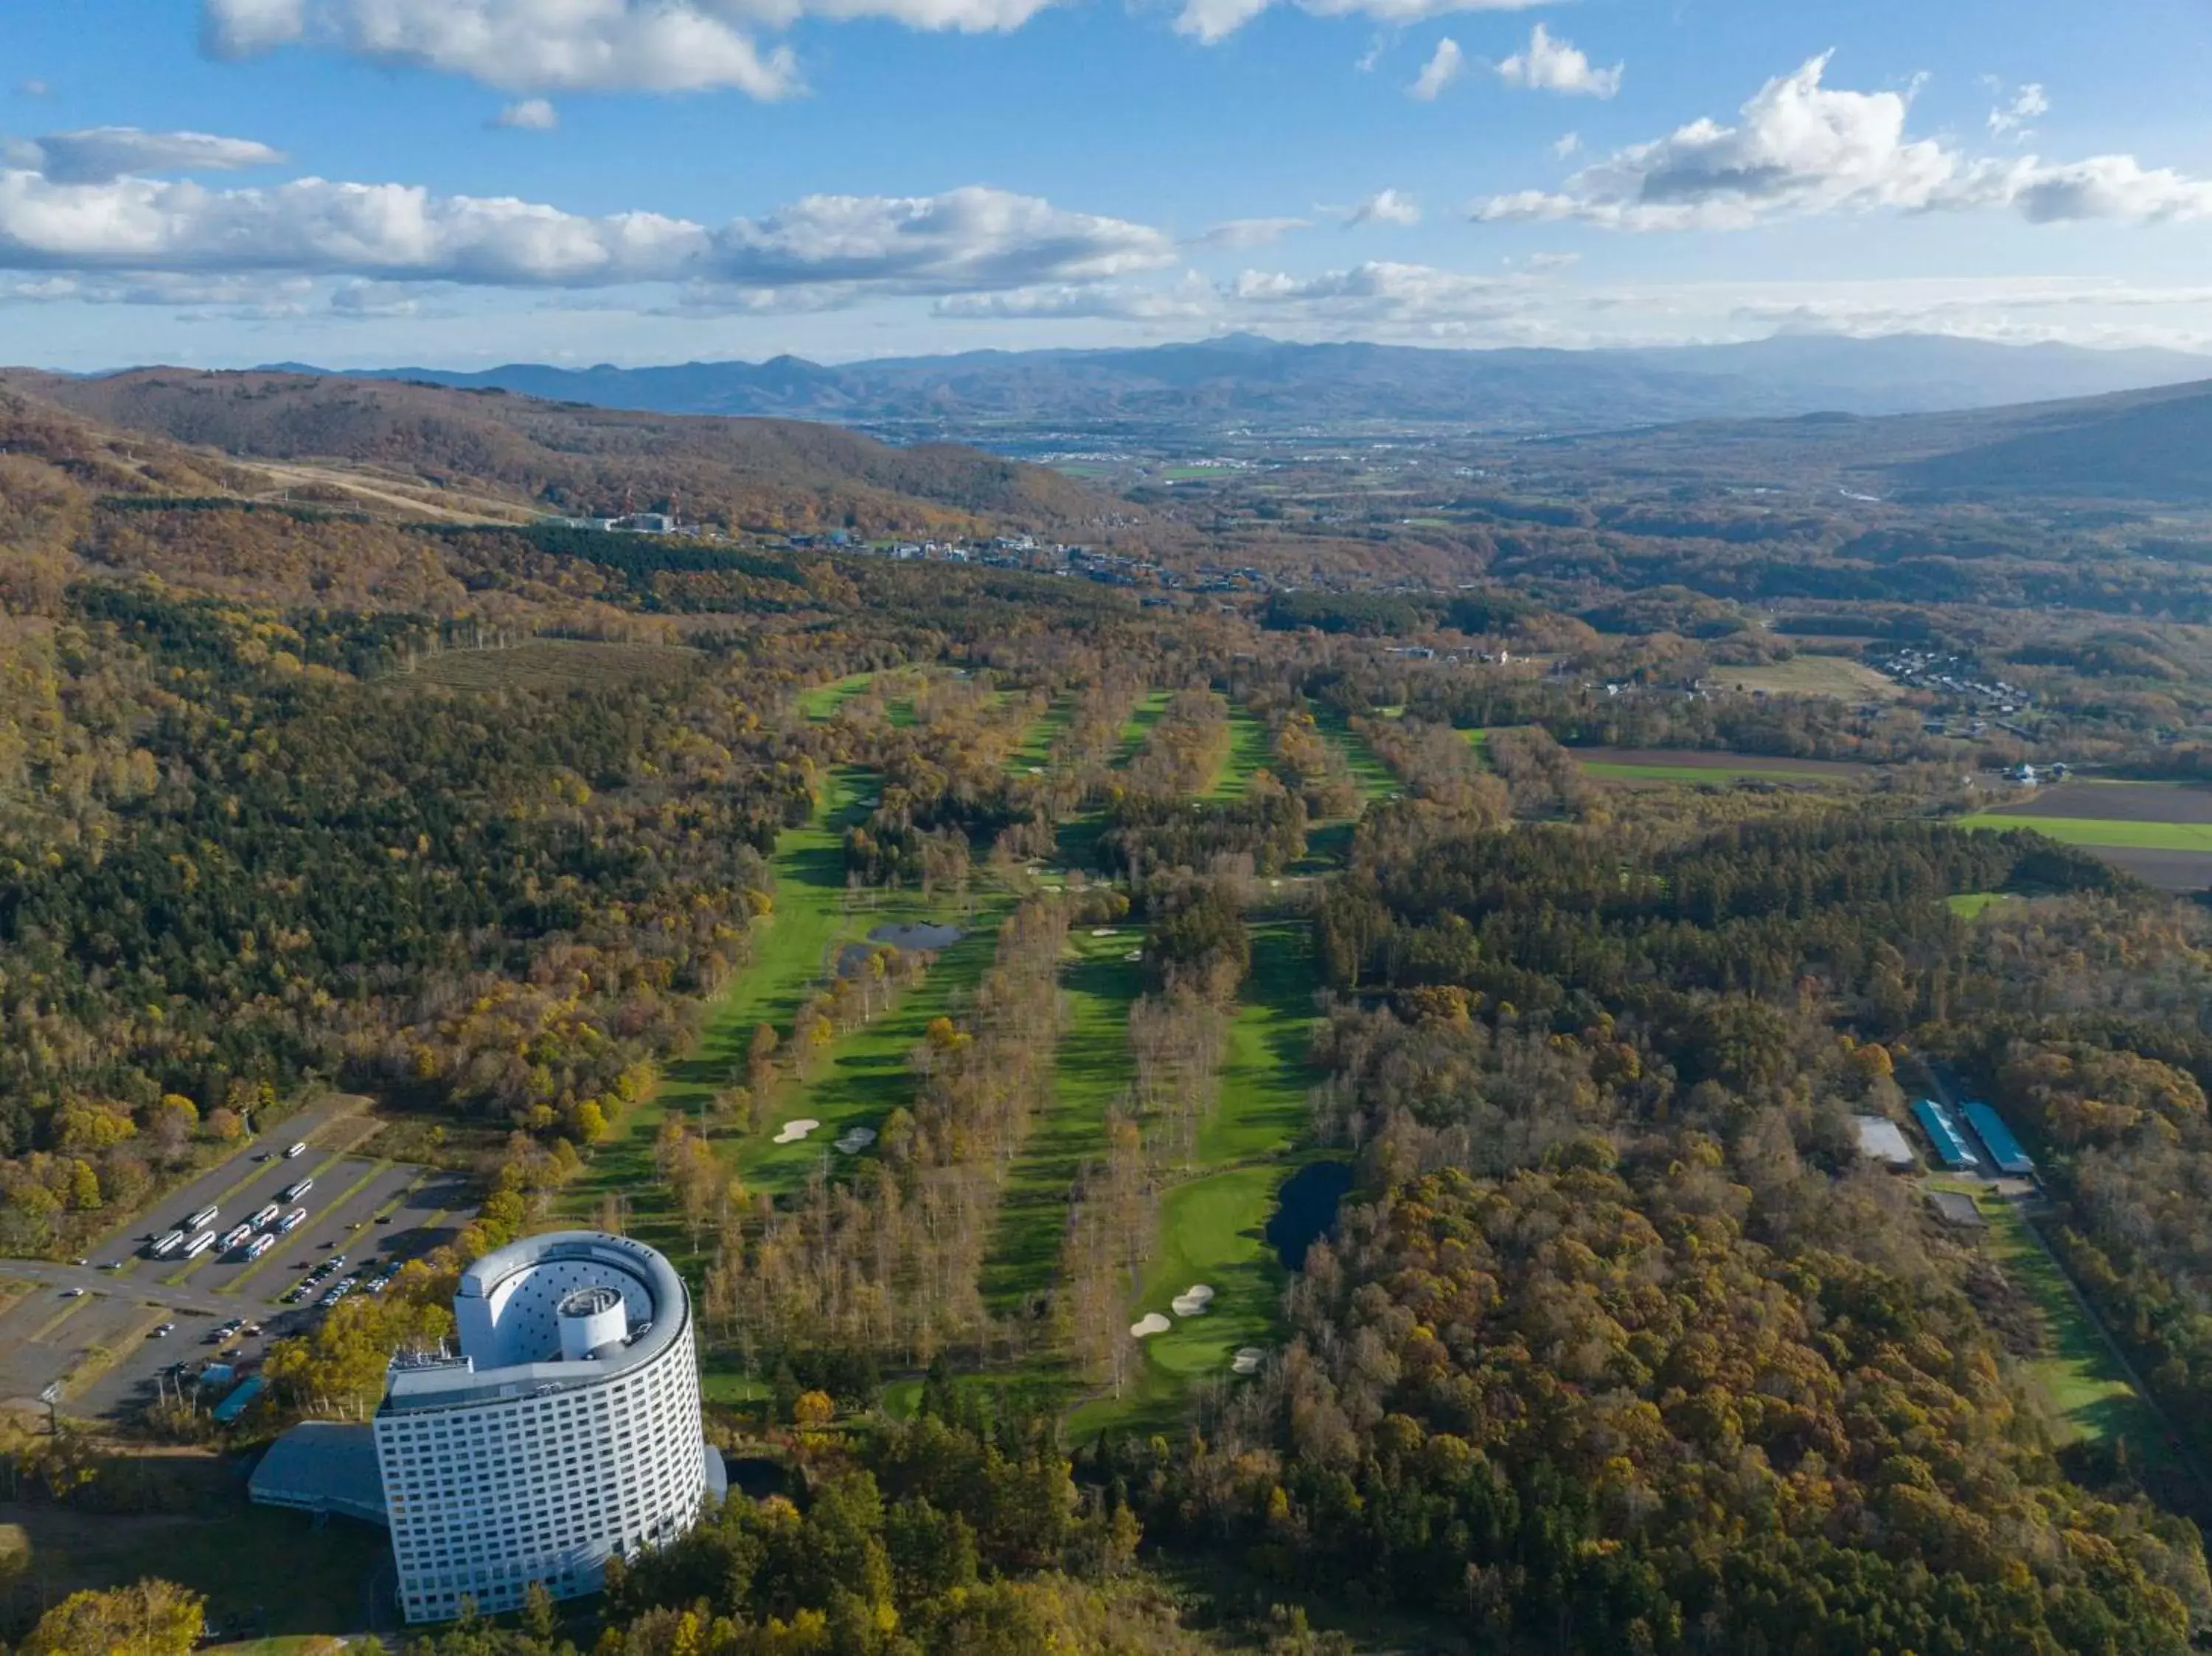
(1245, 379)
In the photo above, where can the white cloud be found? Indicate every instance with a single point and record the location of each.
(34, 87)
(1381, 292)
(1568, 145)
(1216, 20)
(1440, 71)
(1550, 66)
(1236, 234)
(578, 45)
(2030, 103)
(1191, 298)
(1385, 207)
(100, 154)
(1551, 261)
(528, 115)
(518, 45)
(1803, 147)
(820, 250)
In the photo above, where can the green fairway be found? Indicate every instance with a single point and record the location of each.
(1250, 752)
(2092, 831)
(1212, 1226)
(1092, 1067)
(864, 1076)
(1139, 723)
(789, 949)
(1373, 776)
(1970, 904)
(1035, 751)
(823, 699)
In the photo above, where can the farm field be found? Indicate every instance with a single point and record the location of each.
(2160, 832)
(1701, 765)
(2121, 801)
(2102, 831)
(1827, 676)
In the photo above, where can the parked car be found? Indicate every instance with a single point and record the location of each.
(162, 1330)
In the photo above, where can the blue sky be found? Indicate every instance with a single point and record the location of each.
(458, 182)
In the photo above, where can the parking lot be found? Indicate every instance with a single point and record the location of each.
(91, 1327)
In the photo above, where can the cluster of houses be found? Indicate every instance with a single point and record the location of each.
(1957, 679)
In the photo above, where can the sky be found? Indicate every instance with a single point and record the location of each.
(462, 183)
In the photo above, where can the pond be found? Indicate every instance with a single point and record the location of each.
(1305, 1209)
(920, 936)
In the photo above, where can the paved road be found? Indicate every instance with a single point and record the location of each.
(103, 1281)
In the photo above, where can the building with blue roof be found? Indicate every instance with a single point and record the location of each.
(2006, 1155)
(1945, 1137)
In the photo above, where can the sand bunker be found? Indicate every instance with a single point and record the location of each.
(856, 1139)
(1133, 955)
(794, 1131)
(1247, 1360)
(1105, 931)
(1193, 1301)
(1150, 1324)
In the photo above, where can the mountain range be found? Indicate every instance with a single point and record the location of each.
(1242, 380)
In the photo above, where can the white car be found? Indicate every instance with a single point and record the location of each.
(73, 1293)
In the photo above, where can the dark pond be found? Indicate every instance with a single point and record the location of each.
(921, 935)
(1305, 1209)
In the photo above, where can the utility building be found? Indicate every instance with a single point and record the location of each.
(565, 1433)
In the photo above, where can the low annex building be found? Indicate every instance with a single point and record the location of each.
(566, 1432)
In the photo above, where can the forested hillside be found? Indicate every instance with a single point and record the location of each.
(755, 474)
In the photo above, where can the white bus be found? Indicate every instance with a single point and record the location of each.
(261, 1245)
(291, 1222)
(294, 1192)
(199, 1245)
(264, 1216)
(233, 1236)
(204, 1218)
(167, 1244)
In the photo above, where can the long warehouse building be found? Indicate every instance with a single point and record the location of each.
(565, 1433)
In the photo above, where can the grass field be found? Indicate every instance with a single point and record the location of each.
(865, 1076)
(1829, 676)
(1373, 776)
(2098, 831)
(1250, 751)
(1212, 1225)
(1139, 723)
(1092, 1068)
(2079, 1385)
(261, 1570)
(1972, 905)
(789, 949)
(1035, 751)
(823, 699)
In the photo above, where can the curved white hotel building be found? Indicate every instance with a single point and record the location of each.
(566, 1432)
